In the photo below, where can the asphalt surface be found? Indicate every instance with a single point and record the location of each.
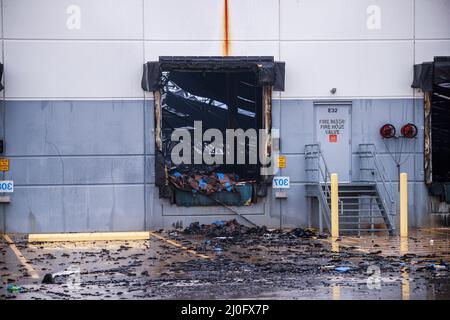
(265, 264)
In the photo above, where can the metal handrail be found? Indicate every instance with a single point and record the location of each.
(312, 151)
(386, 182)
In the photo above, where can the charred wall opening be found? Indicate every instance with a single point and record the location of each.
(220, 100)
(440, 120)
(434, 80)
(221, 93)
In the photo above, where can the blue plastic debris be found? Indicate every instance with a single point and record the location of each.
(219, 222)
(220, 175)
(218, 249)
(176, 174)
(207, 242)
(13, 288)
(438, 266)
(202, 184)
(342, 269)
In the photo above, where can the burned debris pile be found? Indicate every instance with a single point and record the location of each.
(206, 187)
(205, 183)
(232, 228)
(220, 228)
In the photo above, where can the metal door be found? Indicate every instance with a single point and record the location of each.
(333, 134)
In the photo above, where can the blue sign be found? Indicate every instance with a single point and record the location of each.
(6, 186)
(281, 183)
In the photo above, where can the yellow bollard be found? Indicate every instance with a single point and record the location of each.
(404, 246)
(334, 245)
(336, 291)
(403, 205)
(405, 285)
(334, 206)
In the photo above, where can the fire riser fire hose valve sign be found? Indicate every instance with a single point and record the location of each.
(7, 186)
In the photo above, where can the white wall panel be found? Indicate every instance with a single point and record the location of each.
(345, 19)
(47, 19)
(253, 19)
(183, 20)
(255, 48)
(154, 49)
(73, 69)
(356, 69)
(1, 25)
(432, 19)
(205, 20)
(426, 50)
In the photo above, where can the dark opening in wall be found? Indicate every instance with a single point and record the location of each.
(1, 76)
(440, 120)
(220, 100)
(434, 80)
(220, 93)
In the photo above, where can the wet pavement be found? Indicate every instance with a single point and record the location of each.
(258, 264)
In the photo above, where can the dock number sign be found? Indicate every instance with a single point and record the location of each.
(6, 186)
(281, 183)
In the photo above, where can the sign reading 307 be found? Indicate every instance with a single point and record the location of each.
(280, 183)
(7, 186)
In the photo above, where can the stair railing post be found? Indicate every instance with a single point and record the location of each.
(334, 206)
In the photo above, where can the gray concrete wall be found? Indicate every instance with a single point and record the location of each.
(89, 165)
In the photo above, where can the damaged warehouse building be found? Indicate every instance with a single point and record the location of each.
(342, 87)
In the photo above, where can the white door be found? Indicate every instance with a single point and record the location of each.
(333, 133)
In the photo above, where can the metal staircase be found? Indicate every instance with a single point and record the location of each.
(364, 206)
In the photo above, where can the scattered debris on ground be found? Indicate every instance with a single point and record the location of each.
(236, 261)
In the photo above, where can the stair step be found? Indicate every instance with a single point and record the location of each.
(361, 217)
(369, 184)
(363, 210)
(357, 197)
(357, 208)
(362, 207)
(356, 222)
(368, 230)
(355, 190)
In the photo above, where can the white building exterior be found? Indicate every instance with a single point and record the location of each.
(78, 128)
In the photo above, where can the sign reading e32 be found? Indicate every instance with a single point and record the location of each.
(6, 186)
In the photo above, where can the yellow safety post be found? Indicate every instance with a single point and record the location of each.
(404, 246)
(334, 206)
(405, 285)
(403, 205)
(334, 245)
(336, 292)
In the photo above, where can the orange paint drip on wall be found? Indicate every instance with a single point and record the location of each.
(226, 31)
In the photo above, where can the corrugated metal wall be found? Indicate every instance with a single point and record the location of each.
(79, 133)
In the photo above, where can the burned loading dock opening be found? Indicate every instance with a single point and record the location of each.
(433, 78)
(220, 93)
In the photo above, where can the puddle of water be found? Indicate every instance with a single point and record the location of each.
(260, 267)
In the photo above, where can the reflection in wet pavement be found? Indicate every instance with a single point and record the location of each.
(262, 266)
